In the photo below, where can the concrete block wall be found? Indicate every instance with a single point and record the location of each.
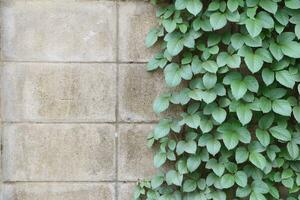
(76, 100)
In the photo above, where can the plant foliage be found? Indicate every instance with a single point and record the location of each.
(237, 64)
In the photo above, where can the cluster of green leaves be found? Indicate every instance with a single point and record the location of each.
(236, 63)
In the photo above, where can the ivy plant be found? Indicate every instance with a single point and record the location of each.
(236, 69)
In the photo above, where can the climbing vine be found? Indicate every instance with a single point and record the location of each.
(238, 136)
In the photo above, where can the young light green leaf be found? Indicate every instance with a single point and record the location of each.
(241, 154)
(280, 133)
(291, 49)
(254, 62)
(296, 113)
(244, 114)
(218, 20)
(241, 178)
(227, 181)
(268, 76)
(285, 78)
(263, 137)
(231, 139)
(194, 6)
(258, 160)
(151, 38)
(174, 177)
(293, 149)
(238, 89)
(232, 5)
(268, 5)
(282, 107)
(219, 114)
(157, 181)
(161, 103)
(172, 75)
(193, 162)
(213, 146)
(254, 27)
(159, 159)
(189, 185)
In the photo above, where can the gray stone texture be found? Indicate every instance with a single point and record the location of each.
(61, 31)
(59, 191)
(136, 18)
(135, 159)
(58, 92)
(60, 152)
(75, 98)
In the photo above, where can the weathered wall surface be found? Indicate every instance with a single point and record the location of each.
(76, 100)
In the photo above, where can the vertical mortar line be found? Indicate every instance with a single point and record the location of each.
(117, 104)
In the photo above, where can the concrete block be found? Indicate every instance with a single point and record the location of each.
(125, 191)
(58, 152)
(58, 31)
(58, 92)
(136, 18)
(135, 158)
(59, 191)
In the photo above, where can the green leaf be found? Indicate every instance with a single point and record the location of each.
(218, 169)
(175, 44)
(194, 6)
(210, 66)
(266, 121)
(232, 5)
(268, 5)
(193, 162)
(193, 120)
(218, 20)
(285, 78)
(189, 185)
(244, 113)
(219, 114)
(292, 4)
(151, 38)
(258, 160)
(296, 112)
(209, 80)
(169, 25)
(159, 159)
(227, 181)
(213, 146)
(174, 177)
(257, 196)
(172, 75)
(191, 147)
(280, 133)
(241, 154)
(231, 139)
(254, 27)
(282, 107)
(297, 30)
(252, 83)
(291, 49)
(238, 89)
(241, 178)
(161, 103)
(254, 62)
(268, 76)
(157, 181)
(162, 129)
(293, 149)
(276, 51)
(263, 137)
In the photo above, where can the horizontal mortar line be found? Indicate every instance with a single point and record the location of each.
(75, 62)
(56, 122)
(66, 182)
